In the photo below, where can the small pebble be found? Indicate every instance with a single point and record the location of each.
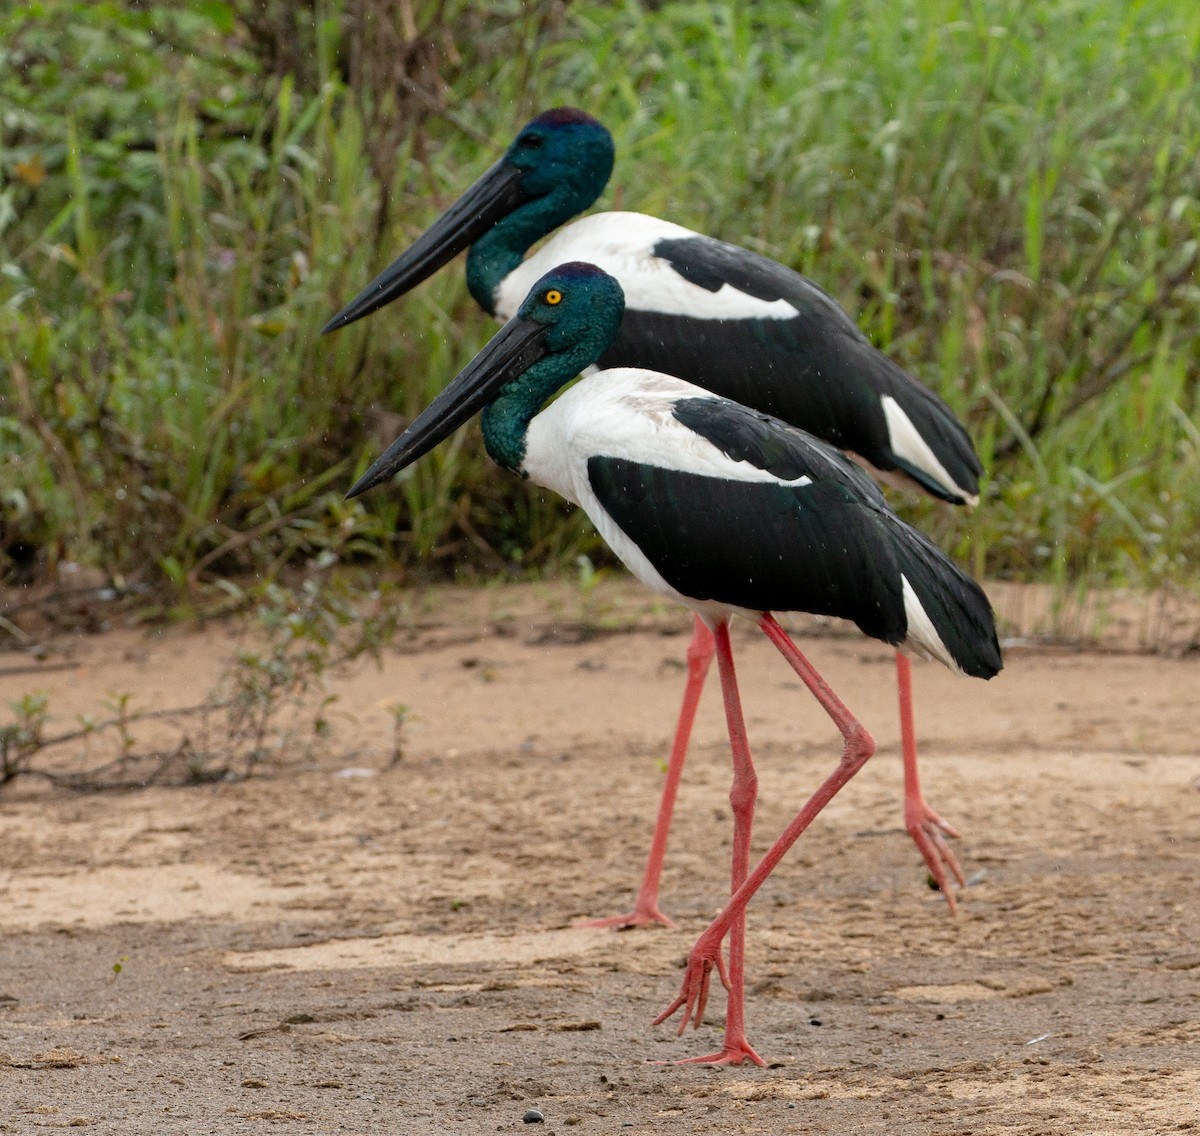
(533, 1116)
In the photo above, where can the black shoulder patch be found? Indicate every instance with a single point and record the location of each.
(816, 370)
(769, 444)
(759, 545)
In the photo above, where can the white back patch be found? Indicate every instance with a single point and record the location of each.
(922, 636)
(623, 245)
(907, 443)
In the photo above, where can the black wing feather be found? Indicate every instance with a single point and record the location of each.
(820, 548)
(816, 370)
(769, 444)
(758, 545)
(955, 604)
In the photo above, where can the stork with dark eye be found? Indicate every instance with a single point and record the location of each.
(719, 316)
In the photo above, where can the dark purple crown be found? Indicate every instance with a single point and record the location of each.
(564, 116)
(575, 270)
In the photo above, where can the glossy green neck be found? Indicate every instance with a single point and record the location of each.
(502, 248)
(579, 309)
(506, 421)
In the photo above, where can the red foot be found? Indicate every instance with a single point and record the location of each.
(929, 832)
(693, 994)
(733, 1052)
(640, 916)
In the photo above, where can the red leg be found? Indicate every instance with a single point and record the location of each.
(926, 828)
(742, 796)
(858, 748)
(645, 909)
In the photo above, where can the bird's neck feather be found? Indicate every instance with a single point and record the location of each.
(502, 248)
(506, 421)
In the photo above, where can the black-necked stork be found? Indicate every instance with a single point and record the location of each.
(728, 511)
(716, 315)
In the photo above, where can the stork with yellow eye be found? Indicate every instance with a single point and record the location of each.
(723, 509)
(719, 316)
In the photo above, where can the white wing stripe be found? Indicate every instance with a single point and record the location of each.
(922, 636)
(628, 413)
(907, 443)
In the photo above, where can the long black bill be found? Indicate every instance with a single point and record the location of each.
(509, 353)
(493, 196)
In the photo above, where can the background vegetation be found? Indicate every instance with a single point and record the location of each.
(1006, 193)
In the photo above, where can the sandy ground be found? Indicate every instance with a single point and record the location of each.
(332, 947)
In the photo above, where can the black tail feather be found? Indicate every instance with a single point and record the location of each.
(956, 605)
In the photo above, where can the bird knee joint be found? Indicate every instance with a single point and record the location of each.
(859, 745)
(744, 795)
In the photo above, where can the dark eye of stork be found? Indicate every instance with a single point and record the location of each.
(530, 142)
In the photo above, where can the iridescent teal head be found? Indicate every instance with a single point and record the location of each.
(564, 155)
(556, 167)
(579, 306)
(564, 325)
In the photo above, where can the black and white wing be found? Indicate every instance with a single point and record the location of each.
(728, 507)
(747, 328)
(814, 369)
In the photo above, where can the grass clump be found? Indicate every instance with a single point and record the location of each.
(1005, 194)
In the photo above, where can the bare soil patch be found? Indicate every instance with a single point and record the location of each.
(332, 947)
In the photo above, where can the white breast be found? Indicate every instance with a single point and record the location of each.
(626, 413)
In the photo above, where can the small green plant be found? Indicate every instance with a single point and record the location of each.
(267, 695)
(119, 706)
(23, 738)
(270, 703)
(399, 713)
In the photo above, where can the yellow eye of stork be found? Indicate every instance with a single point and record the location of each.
(554, 296)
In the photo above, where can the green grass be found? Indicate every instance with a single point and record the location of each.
(1004, 192)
